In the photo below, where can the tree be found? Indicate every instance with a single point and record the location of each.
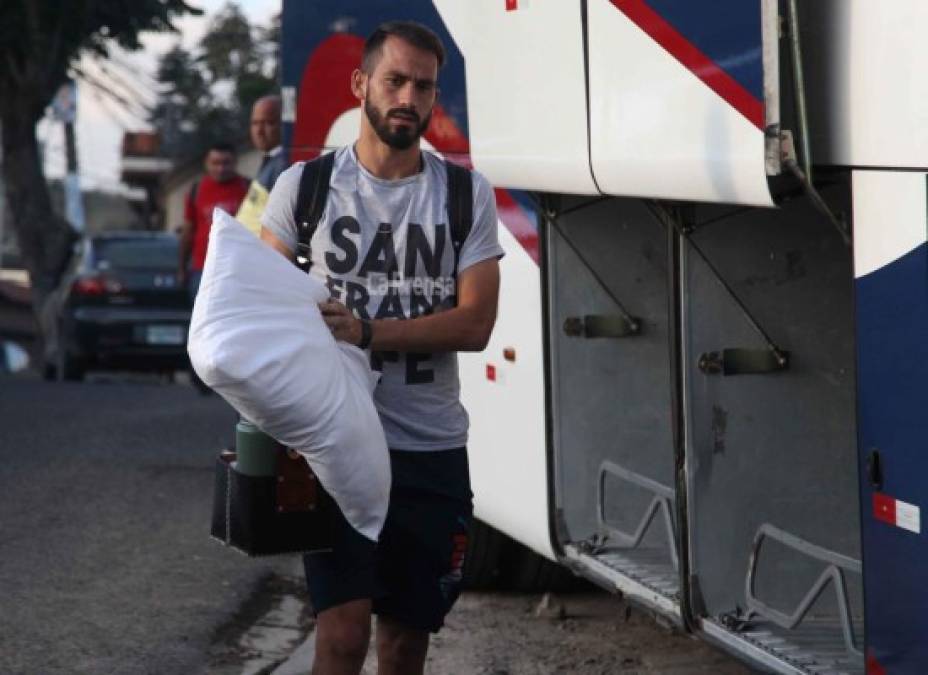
(181, 112)
(208, 93)
(39, 42)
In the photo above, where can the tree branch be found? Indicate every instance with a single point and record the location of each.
(54, 50)
(13, 70)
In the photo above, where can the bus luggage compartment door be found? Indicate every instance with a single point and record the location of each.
(611, 397)
(773, 508)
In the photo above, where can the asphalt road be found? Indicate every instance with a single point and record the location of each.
(106, 565)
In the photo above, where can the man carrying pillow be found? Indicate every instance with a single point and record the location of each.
(384, 248)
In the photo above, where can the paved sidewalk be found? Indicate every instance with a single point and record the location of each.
(300, 660)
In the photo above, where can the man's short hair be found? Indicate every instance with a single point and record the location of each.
(414, 33)
(269, 98)
(221, 146)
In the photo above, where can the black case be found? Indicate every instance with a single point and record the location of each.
(247, 515)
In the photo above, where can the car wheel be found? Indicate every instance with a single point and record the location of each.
(71, 368)
(64, 365)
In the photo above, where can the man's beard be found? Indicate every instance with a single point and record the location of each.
(400, 138)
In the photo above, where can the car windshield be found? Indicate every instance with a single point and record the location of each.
(152, 253)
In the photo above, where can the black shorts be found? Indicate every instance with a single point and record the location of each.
(414, 572)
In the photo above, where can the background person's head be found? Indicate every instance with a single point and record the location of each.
(398, 81)
(265, 123)
(220, 162)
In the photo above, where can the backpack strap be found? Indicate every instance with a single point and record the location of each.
(192, 195)
(460, 210)
(310, 203)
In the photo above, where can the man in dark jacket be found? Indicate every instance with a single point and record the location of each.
(265, 136)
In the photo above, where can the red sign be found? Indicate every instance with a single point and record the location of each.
(511, 5)
(884, 508)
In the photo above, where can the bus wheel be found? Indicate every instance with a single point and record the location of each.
(529, 572)
(482, 563)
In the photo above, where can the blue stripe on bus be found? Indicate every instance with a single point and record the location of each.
(308, 24)
(892, 377)
(735, 44)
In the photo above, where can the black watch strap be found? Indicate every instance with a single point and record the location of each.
(367, 333)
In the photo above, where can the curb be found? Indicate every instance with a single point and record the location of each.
(301, 660)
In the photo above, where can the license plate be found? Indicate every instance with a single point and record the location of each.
(164, 335)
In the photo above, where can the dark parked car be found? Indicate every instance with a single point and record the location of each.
(120, 307)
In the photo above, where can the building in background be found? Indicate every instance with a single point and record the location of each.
(143, 170)
(104, 211)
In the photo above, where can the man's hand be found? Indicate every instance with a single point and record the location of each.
(341, 322)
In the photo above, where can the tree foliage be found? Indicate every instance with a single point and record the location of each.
(208, 92)
(40, 40)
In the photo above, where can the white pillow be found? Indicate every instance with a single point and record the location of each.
(257, 338)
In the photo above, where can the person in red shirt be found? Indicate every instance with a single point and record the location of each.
(221, 187)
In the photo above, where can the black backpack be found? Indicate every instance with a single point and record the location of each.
(314, 189)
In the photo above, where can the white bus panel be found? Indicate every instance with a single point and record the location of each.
(890, 213)
(526, 91)
(866, 81)
(658, 129)
(505, 400)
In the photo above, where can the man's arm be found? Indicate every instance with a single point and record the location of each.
(464, 328)
(275, 243)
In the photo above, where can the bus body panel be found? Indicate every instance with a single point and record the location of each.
(643, 100)
(866, 84)
(528, 112)
(667, 119)
(892, 323)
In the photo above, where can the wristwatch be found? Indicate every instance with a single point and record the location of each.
(367, 333)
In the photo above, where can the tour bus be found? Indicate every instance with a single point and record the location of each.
(708, 382)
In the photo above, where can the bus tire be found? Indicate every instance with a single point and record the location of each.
(530, 572)
(483, 561)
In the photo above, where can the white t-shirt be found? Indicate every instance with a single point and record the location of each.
(383, 248)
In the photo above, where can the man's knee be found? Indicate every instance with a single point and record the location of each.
(344, 642)
(400, 649)
(343, 633)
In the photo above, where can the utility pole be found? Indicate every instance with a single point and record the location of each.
(64, 108)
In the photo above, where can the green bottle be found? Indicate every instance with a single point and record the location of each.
(257, 452)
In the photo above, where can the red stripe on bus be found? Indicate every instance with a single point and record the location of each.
(690, 56)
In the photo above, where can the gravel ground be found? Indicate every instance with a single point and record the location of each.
(500, 634)
(588, 633)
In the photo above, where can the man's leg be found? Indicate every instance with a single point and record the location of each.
(420, 555)
(342, 636)
(401, 650)
(341, 586)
